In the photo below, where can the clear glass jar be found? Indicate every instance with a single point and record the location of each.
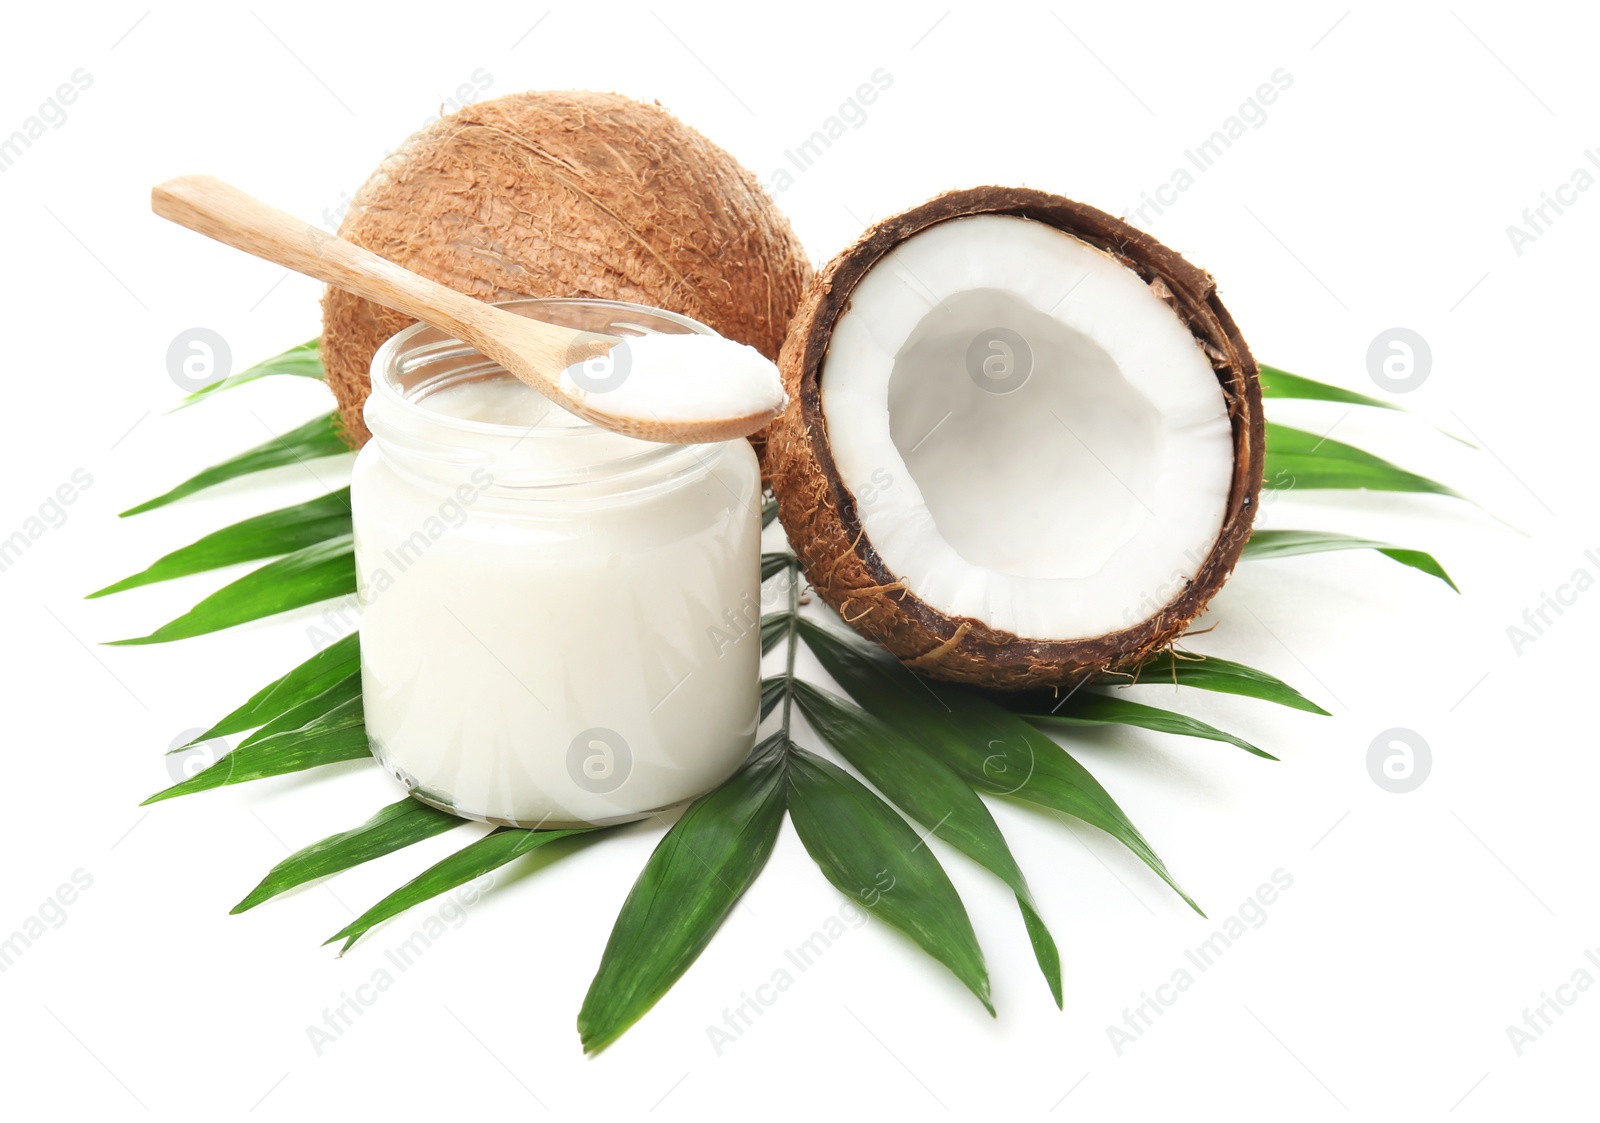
(559, 625)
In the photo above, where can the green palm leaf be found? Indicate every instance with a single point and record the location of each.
(698, 872)
(871, 856)
(1288, 543)
(993, 750)
(340, 734)
(393, 828)
(314, 573)
(1090, 708)
(1207, 672)
(1297, 459)
(323, 670)
(312, 708)
(493, 850)
(1276, 383)
(317, 438)
(934, 796)
(265, 536)
(304, 361)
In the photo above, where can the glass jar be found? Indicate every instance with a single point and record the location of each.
(559, 625)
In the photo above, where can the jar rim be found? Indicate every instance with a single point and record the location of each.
(387, 355)
(403, 418)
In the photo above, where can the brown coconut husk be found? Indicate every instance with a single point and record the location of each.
(820, 515)
(569, 193)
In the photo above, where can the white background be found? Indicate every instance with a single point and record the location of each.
(1378, 193)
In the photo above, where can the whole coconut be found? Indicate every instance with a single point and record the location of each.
(568, 193)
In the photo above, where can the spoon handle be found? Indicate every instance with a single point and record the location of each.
(223, 212)
(536, 352)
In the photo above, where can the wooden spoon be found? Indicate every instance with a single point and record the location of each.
(532, 350)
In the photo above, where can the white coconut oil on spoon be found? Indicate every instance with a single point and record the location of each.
(667, 377)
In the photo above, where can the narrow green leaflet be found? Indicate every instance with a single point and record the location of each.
(1088, 708)
(993, 750)
(772, 692)
(317, 438)
(1296, 458)
(340, 734)
(1288, 543)
(769, 511)
(698, 872)
(873, 857)
(932, 795)
(1276, 383)
(304, 361)
(392, 828)
(1207, 672)
(277, 532)
(312, 708)
(326, 668)
(774, 626)
(775, 563)
(309, 575)
(493, 850)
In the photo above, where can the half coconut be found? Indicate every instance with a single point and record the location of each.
(1024, 442)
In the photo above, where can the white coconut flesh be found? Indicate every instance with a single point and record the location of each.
(1032, 436)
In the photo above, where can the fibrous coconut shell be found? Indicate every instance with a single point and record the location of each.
(569, 193)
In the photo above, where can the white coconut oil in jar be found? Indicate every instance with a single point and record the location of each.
(559, 624)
